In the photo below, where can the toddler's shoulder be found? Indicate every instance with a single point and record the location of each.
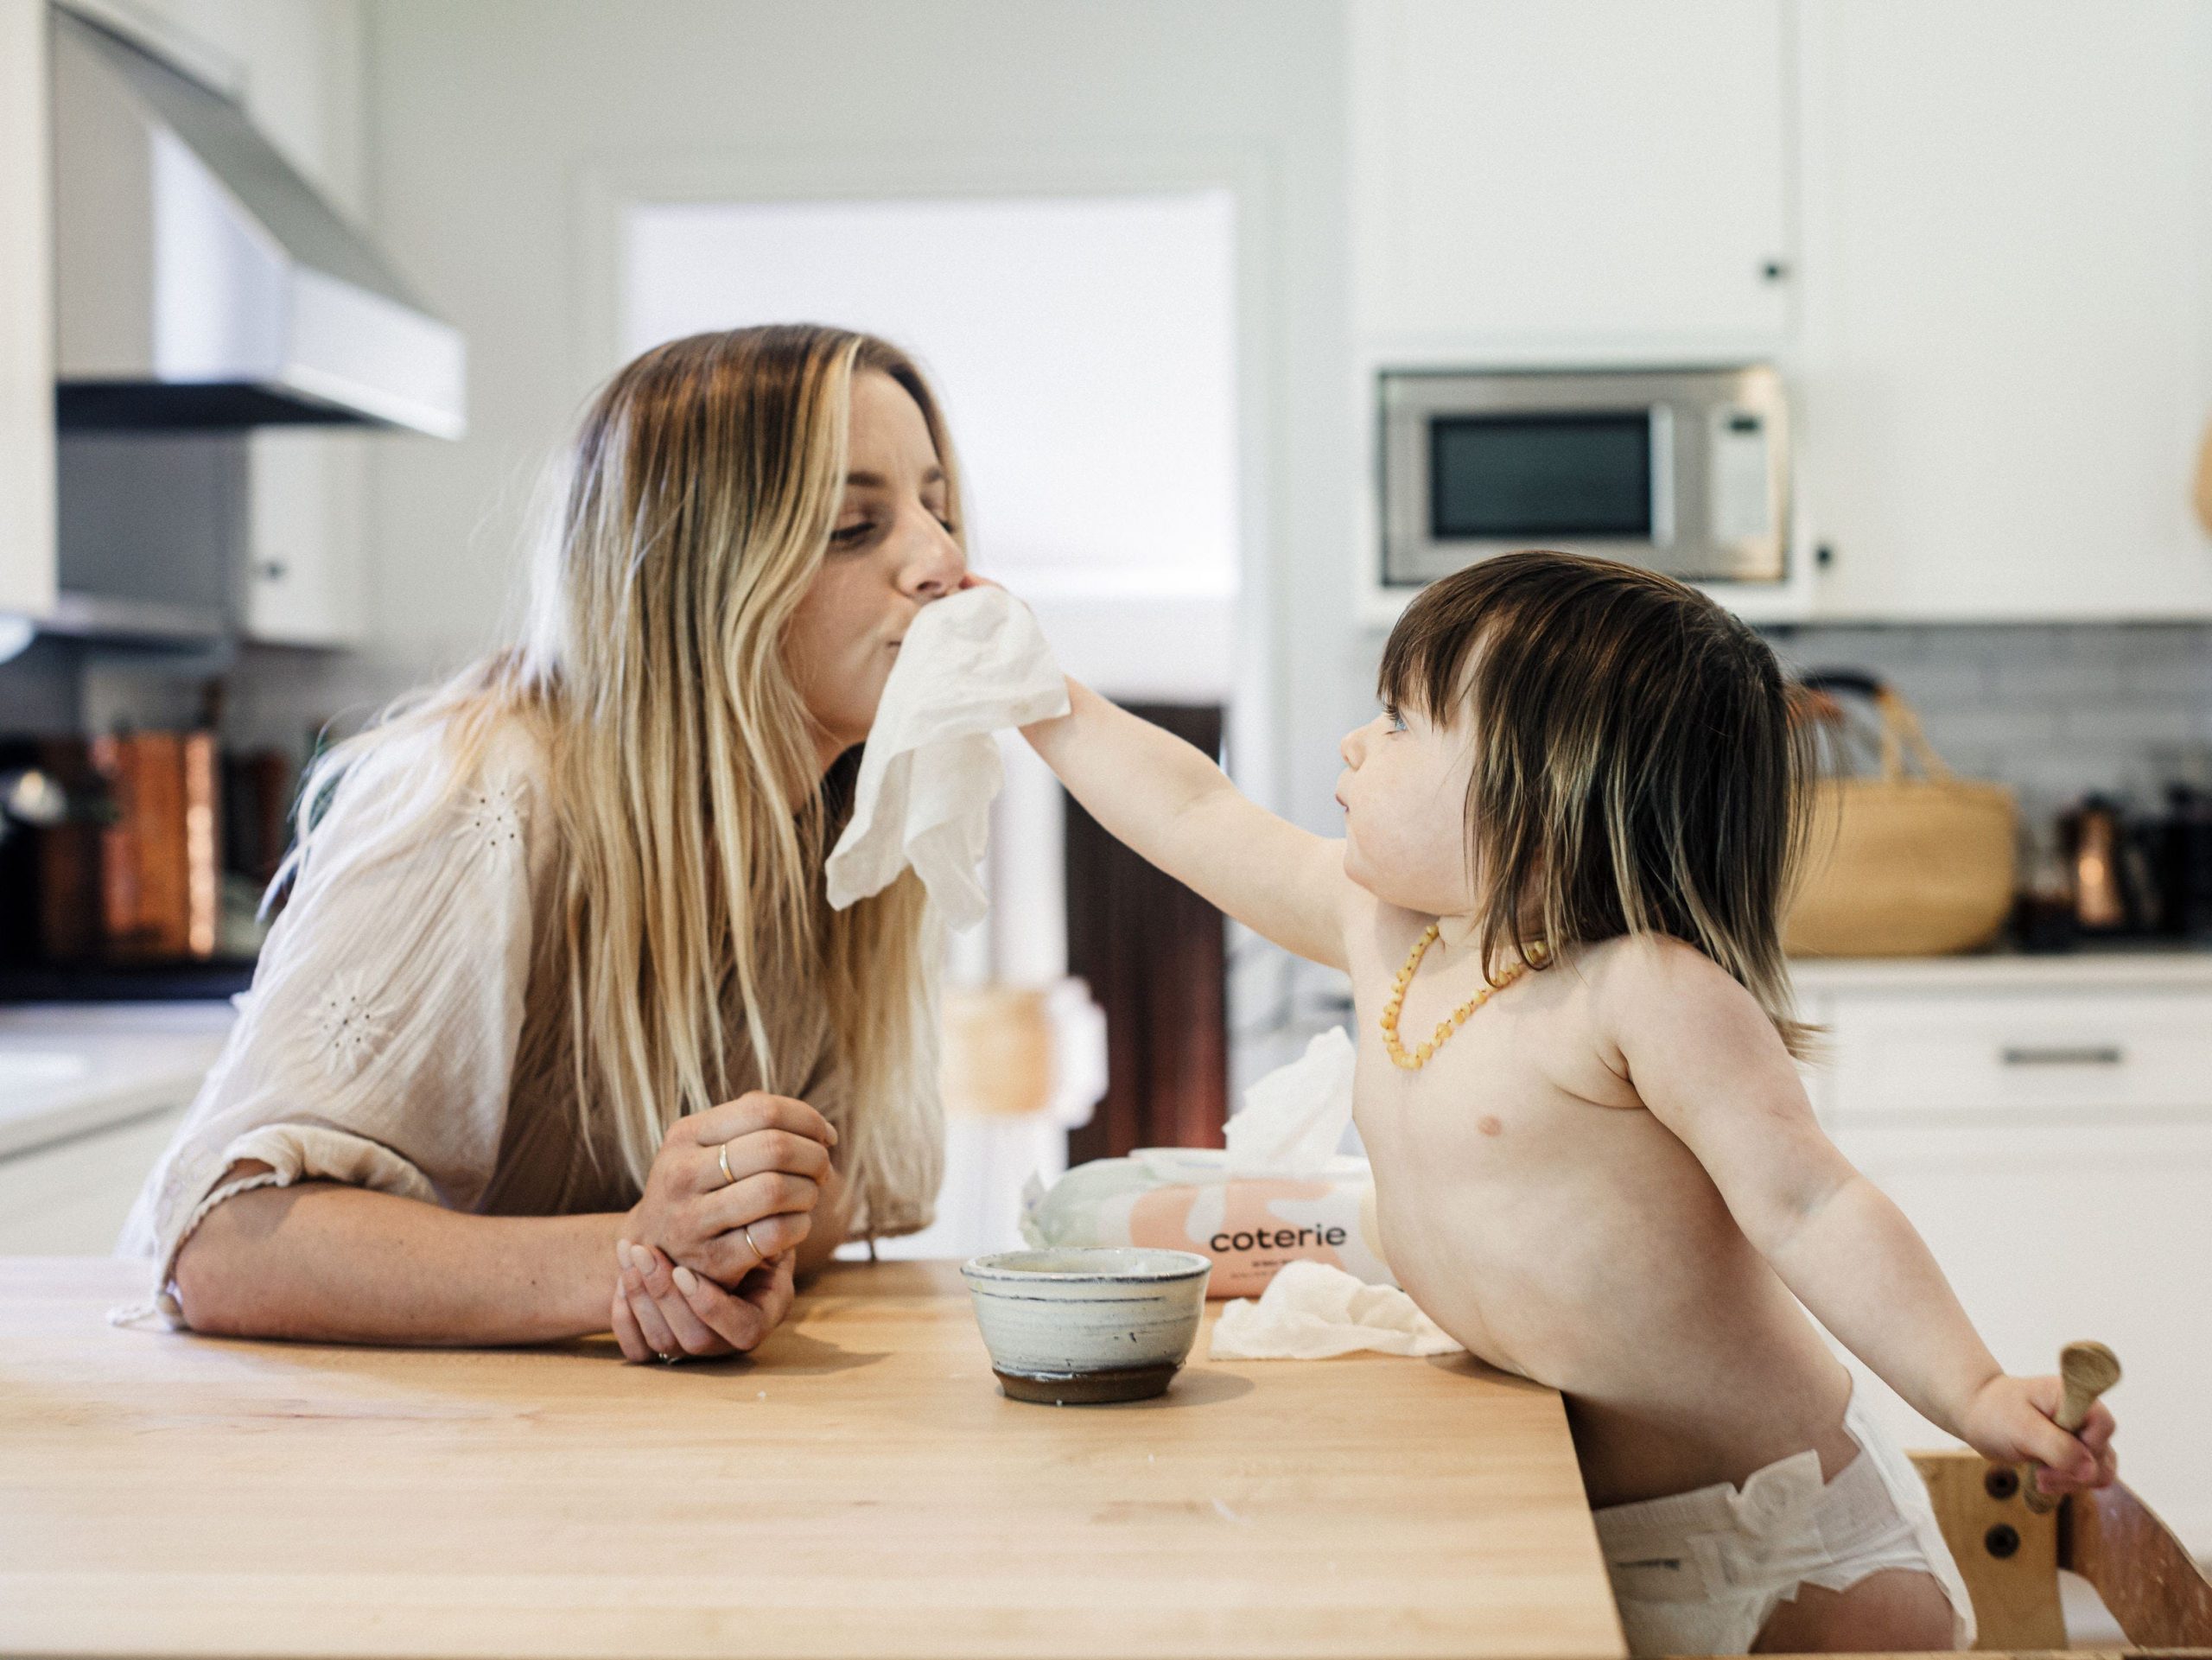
(1638, 976)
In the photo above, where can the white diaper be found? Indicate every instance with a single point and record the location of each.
(1702, 1572)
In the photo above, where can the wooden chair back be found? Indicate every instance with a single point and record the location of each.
(2010, 1556)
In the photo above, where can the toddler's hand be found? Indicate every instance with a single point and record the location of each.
(2011, 1420)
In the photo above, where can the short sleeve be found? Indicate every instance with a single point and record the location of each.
(377, 1046)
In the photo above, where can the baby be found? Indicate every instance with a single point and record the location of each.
(1568, 844)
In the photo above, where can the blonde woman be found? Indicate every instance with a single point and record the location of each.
(556, 1031)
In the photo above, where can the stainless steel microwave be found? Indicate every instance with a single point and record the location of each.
(1684, 471)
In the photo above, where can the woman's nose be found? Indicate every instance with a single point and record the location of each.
(933, 565)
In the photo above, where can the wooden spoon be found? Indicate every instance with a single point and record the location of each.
(2087, 1370)
(2204, 482)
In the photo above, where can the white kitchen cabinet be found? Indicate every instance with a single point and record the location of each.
(26, 546)
(2047, 1126)
(2084, 1229)
(2006, 284)
(307, 577)
(1569, 176)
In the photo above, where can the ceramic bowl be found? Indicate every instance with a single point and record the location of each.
(1082, 1327)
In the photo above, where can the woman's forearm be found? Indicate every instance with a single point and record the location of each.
(334, 1264)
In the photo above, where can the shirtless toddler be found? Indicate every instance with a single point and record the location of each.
(1567, 841)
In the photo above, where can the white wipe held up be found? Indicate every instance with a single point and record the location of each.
(972, 663)
(1311, 1311)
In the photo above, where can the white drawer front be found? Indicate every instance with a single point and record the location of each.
(2006, 1052)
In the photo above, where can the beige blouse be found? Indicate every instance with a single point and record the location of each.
(407, 1028)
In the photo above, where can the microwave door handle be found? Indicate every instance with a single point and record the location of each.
(1662, 417)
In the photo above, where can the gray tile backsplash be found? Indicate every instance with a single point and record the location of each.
(2053, 711)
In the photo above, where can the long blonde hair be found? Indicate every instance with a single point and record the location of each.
(693, 819)
(1636, 767)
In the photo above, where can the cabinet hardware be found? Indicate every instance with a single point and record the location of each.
(2087, 1054)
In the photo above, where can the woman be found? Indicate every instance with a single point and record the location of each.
(556, 1030)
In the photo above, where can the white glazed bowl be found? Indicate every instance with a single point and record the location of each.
(1076, 1326)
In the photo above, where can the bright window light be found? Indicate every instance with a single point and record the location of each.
(1083, 347)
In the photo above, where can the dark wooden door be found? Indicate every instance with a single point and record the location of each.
(1155, 957)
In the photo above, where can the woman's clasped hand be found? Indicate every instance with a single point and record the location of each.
(705, 1261)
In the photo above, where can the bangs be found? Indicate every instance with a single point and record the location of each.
(1429, 661)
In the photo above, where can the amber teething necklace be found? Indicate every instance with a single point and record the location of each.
(1419, 1058)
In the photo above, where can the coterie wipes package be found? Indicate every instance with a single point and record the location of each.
(1279, 1193)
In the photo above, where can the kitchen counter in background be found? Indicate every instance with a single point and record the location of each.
(2095, 968)
(90, 1095)
(68, 1070)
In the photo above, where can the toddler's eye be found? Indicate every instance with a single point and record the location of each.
(1397, 720)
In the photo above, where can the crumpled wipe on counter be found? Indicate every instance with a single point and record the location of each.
(1311, 1311)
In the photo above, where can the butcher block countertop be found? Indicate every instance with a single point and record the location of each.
(859, 1488)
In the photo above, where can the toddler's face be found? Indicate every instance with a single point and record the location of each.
(1404, 793)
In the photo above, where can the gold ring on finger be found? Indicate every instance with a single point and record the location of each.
(747, 1231)
(667, 1360)
(723, 1159)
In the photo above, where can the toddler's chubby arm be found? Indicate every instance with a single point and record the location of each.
(1703, 1057)
(1169, 804)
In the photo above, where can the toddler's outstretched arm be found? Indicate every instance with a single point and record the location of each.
(1173, 806)
(1703, 1057)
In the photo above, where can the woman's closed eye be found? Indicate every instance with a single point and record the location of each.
(848, 536)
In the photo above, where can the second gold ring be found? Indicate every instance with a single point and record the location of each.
(723, 1159)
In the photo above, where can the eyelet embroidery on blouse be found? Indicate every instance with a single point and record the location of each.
(494, 818)
(349, 1024)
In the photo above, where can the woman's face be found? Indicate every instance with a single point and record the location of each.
(892, 552)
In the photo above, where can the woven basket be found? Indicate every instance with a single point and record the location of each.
(1902, 865)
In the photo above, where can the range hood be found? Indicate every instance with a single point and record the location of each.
(201, 283)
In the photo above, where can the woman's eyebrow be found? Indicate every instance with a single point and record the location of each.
(877, 482)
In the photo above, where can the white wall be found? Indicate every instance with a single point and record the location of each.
(492, 125)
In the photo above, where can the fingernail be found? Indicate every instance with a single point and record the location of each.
(622, 1252)
(686, 1281)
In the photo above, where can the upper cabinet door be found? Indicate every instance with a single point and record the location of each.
(1552, 174)
(26, 556)
(2008, 321)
